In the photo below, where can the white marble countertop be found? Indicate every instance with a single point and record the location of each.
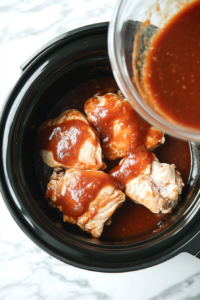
(27, 272)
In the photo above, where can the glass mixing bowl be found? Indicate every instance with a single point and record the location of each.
(127, 17)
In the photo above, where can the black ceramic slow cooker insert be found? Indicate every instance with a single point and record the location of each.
(66, 62)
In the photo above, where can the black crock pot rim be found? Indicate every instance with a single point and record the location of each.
(6, 194)
(60, 38)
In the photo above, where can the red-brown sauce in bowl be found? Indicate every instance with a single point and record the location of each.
(172, 71)
(131, 219)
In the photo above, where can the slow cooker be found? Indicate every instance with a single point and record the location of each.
(67, 61)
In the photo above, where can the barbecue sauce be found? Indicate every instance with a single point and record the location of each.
(172, 69)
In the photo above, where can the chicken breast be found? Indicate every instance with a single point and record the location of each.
(86, 198)
(69, 141)
(148, 182)
(120, 127)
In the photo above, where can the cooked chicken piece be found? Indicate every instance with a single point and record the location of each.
(69, 141)
(86, 198)
(154, 138)
(148, 182)
(120, 127)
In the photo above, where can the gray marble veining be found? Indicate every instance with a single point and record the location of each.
(36, 17)
(27, 272)
(36, 275)
(188, 289)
